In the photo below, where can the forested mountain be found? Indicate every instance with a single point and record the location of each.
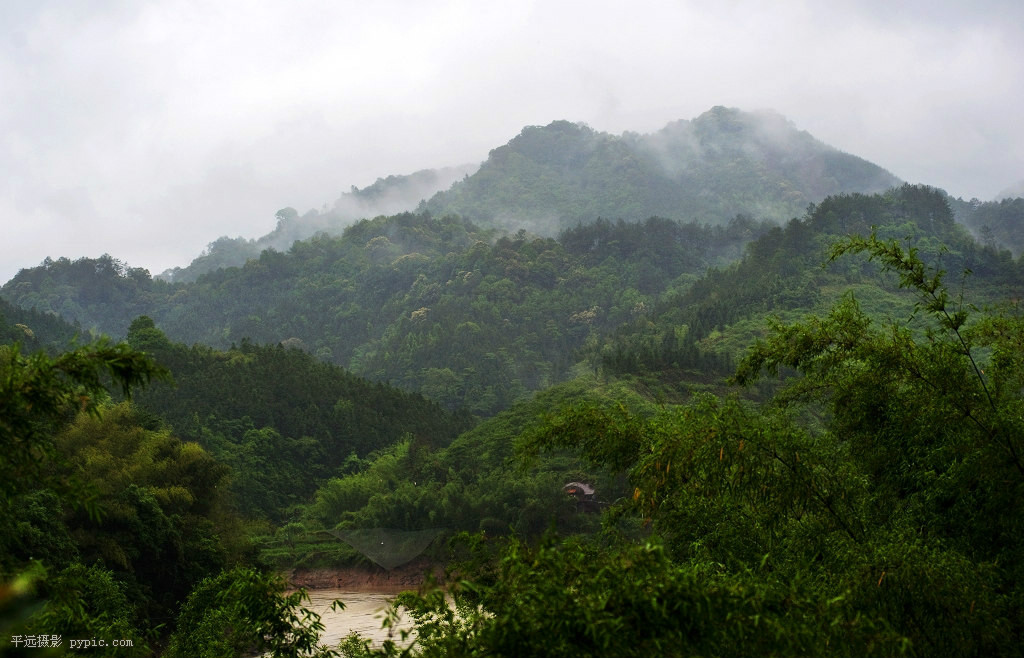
(861, 496)
(441, 307)
(787, 272)
(994, 223)
(871, 505)
(386, 196)
(691, 336)
(718, 390)
(434, 305)
(33, 329)
(723, 163)
(281, 420)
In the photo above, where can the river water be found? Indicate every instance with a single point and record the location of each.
(363, 613)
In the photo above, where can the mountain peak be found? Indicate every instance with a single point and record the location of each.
(709, 169)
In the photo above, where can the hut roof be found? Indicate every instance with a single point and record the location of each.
(582, 487)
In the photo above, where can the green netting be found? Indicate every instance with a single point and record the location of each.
(388, 548)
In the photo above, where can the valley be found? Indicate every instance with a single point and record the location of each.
(792, 382)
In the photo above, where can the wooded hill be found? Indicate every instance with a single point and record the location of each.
(871, 506)
(690, 339)
(431, 304)
(387, 196)
(724, 163)
(280, 419)
(805, 438)
(787, 273)
(477, 321)
(997, 224)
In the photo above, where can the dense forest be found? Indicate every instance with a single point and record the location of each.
(799, 437)
(993, 223)
(470, 319)
(856, 493)
(724, 163)
(386, 196)
(117, 506)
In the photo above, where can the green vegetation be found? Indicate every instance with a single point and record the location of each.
(386, 196)
(279, 418)
(994, 223)
(59, 526)
(114, 527)
(857, 491)
(243, 611)
(34, 330)
(872, 507)
(707, 324)
(722, 164)
(433, 305)
(475, 484)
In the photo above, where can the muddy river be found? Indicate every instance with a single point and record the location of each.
(363, 613)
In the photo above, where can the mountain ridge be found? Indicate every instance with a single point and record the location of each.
(474, 319)
(723, 163)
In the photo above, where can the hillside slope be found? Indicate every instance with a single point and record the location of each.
(387, 196)
(435, 305)
(723, 163)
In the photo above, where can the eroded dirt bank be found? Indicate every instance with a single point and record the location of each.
(364, 579)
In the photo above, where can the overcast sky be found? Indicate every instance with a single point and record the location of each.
(148, 129)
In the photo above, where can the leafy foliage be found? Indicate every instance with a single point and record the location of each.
(723, 163)
(244, 611)
(154, 524)
(161, 519)
(705, 325)
(423, 303)
(89, 602)
(37, 392)
(873, 508)
(279, 418)
(996, 224)
(34, 330)
(474, 484)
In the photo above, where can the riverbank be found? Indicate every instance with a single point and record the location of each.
(364, 578)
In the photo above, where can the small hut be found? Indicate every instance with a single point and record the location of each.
(586, 498)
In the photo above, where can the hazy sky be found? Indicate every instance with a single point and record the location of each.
(149, 129)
